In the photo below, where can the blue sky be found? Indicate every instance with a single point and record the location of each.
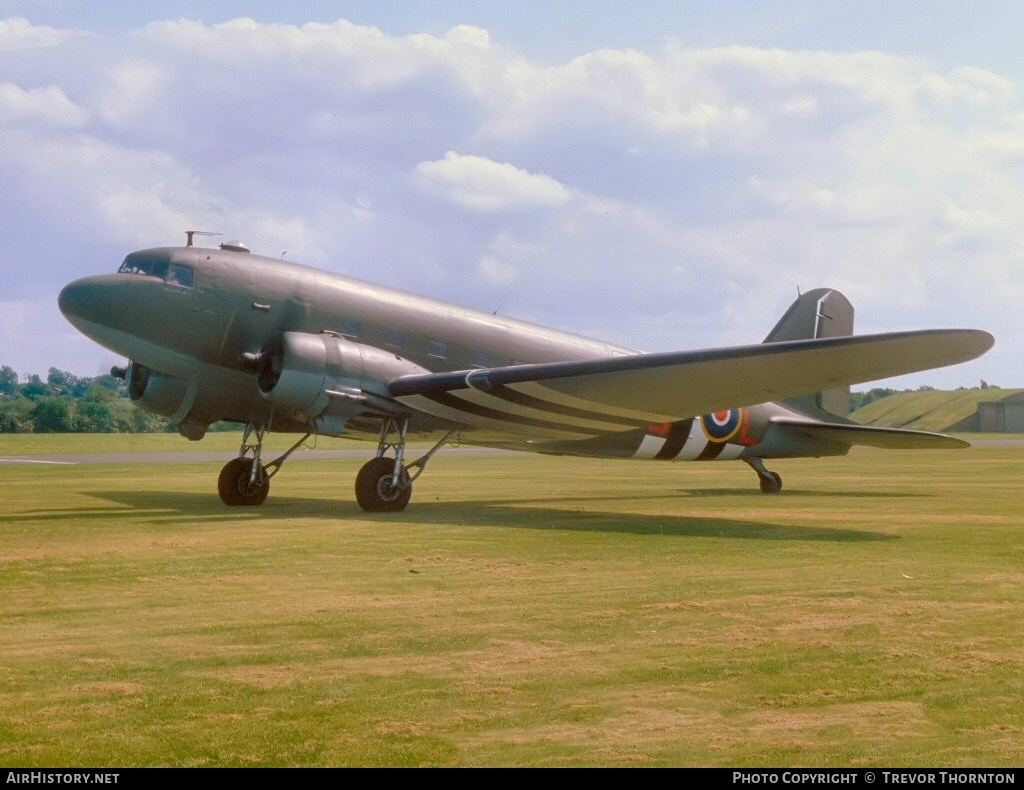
(665, 175)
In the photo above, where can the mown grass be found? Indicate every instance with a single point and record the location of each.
(523, 611)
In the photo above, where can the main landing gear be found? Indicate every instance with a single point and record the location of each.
(771, 482)
(245, 481)
(384, 484)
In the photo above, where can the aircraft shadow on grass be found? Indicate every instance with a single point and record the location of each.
(579, 514)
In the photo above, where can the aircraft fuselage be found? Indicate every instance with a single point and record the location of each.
(236, 302)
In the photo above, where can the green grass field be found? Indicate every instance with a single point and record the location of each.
(524, 611)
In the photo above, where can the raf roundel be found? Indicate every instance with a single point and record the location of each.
(722, 426)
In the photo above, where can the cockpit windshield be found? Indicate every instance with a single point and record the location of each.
(153, 263)
(157, 264)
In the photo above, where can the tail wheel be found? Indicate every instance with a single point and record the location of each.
(236, 485)
(772, 484)
(374, 490)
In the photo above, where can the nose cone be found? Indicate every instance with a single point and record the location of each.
(93, 305)
(71, 300)
(83, 299)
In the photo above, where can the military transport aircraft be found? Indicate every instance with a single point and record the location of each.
(223, 334)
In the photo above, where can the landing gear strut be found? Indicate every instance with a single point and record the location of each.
(245, 481)
(384, 484)
(771, 482)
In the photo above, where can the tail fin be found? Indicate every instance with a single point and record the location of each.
(820, 313)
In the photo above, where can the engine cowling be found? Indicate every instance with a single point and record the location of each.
(159, 393)
(167, 395)
(325, 379)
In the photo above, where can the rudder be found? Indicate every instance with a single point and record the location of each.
(820, 313)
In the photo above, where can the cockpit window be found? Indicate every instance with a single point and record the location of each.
(151, 263)
(157, 264)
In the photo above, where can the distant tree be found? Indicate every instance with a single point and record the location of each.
(61, 382)
(16, 415)
(66, 384)
(136, 420)
(96, 411)
(35, 388)
(94, 417)
(51, 415)
(8, 381)
(223, 426)
(109, 382)
(858, 400)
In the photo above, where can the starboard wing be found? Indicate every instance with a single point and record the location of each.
(590, 397)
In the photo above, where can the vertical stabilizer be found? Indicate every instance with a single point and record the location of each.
(820, 313)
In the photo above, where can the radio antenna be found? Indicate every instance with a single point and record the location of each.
(189, 234)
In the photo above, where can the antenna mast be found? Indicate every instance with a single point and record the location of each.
(189, 234)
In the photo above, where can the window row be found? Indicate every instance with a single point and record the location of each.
(399, 341)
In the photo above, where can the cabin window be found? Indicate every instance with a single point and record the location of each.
(180, 275)
(396, 338)
(350, 327)
(437, 349)
(480, 359)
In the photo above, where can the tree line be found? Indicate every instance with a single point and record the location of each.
(65, 403)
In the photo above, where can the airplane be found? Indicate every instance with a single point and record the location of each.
(219, 333)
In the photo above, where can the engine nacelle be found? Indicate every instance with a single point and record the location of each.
(325, 380)
(159, 393)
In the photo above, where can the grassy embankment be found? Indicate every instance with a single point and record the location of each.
(928, 410)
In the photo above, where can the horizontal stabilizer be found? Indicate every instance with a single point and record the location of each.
(868, 435)
(654, 388)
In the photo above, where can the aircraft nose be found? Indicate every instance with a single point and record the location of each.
(90, 299)
(69, 299)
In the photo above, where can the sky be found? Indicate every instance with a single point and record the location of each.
(663, 175)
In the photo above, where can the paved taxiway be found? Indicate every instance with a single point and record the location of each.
(308, 455)
(197, 457)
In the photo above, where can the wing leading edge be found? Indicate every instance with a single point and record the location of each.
(591, 397)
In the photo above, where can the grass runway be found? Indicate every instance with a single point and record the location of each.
(523, 611)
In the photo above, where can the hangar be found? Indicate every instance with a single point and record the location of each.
(1001, 416)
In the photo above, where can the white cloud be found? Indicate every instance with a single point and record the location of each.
(470, 35)
(498, 271)
(47, 106)
(133, 86)
(17, 33)
(481, 184)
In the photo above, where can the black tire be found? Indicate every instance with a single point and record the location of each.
(374, 491)
(235, 487)
(771, 484)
